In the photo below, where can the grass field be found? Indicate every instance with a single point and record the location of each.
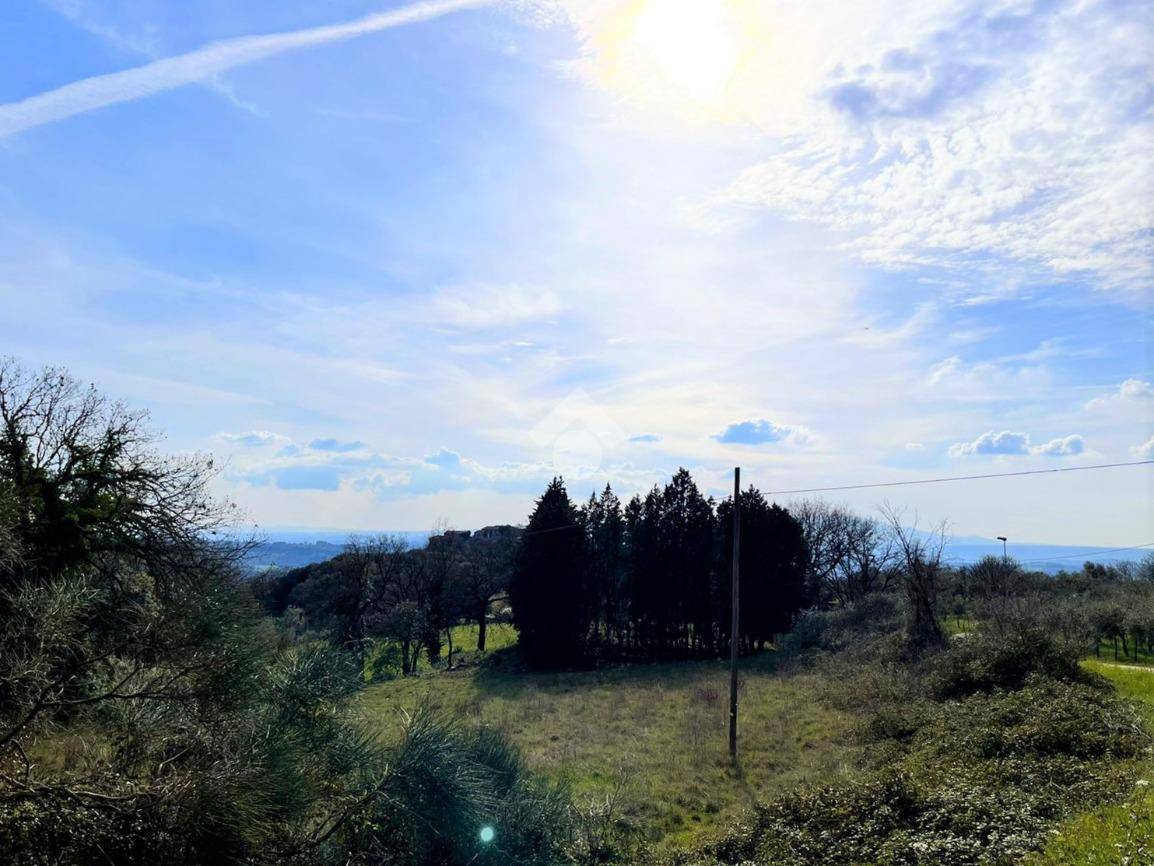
(654, 736)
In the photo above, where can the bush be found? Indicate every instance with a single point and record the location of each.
(840, 628)
(983, 662)
(887, 820)
(1042, 720)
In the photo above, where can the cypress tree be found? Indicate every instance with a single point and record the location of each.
(547, 591)
(772, 568)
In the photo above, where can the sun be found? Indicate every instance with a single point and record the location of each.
(690, 43)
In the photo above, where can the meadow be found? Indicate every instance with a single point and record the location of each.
(647, 741)
(644, 746)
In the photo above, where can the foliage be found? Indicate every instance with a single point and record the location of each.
(980, 749)
(547, 591)
(772, 567)
(653, 580)
(983, 662)
(148, 714)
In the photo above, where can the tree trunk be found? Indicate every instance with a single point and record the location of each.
(482, 627)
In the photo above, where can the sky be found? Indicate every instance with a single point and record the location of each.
(397, 265)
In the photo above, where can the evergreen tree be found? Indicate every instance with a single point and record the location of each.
(605, 589)
(645, 590)
(548, 585)
(686, 533)
(773, 558)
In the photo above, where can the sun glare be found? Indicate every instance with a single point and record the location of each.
(691, 43)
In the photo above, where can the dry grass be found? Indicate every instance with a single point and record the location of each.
(657, 731)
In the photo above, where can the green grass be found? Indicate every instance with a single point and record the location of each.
(383, 661)
(497, 636)
(1132, 681)
(1120, 833)
(959, 624)
(1109, 836)
(656, 733)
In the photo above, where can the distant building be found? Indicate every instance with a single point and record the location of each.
(449, 536)
(503, 532)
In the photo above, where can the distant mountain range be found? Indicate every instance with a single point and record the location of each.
(294, 548)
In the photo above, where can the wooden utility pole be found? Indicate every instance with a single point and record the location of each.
(734, 626)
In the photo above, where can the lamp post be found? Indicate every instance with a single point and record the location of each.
(1002, 539)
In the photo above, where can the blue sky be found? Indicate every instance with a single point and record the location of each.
(399, 264)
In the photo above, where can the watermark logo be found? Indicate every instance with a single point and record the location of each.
(578, 432)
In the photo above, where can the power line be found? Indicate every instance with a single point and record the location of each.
(1088, 553)
(915, 481)
(958, 478)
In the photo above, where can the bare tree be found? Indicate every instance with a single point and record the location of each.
(849, 556)
(372, 571)
(1000, 585)
(921, 563)
(871, 558)
(825, 528)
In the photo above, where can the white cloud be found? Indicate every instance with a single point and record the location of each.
(1131, 391)
(1005, 442)
(994, 135)
(984, 381)
(762, 432)
(202, 64)
(1011, 443)
(1145, 451)
(1063, 447)
(254, 438)
(488, 306)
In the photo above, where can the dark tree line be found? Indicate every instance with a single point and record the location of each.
(651, 579)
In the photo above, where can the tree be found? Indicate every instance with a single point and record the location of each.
(547, 587)
(685, 529)
(644, 578)
(773, 567)
(483, 577)
(826, 530)
(605, 527)
(921, 562)
(84, 481)
(373, 578)
(999, 584)
(848, 556)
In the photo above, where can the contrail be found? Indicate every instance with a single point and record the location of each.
(102, 90)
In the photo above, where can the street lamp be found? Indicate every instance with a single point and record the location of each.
(1002, 539)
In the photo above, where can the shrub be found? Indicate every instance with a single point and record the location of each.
(837, 629)
(887, 820)
(984, 662)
